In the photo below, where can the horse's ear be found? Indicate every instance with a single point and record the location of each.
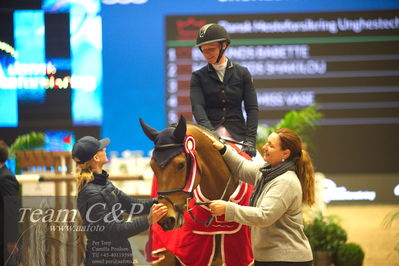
(180, 130)
(149, 131)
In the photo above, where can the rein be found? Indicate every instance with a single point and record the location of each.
(210, 219)
(235, 142)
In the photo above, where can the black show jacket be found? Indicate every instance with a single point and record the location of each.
(215, 103)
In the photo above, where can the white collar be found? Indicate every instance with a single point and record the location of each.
(221, 66)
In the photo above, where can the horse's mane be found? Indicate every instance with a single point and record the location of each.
(202, 128)
(207, 131)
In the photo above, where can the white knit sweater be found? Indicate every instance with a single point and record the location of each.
(276, 220)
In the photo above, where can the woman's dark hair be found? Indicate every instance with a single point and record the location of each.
(304, 166)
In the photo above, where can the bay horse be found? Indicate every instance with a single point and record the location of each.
(189, 174)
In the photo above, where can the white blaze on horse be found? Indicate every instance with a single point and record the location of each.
(189, 174)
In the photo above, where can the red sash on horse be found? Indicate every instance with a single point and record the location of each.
(194, 243)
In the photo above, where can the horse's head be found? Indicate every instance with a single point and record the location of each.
(172, 164)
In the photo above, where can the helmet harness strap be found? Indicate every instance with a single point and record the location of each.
(221, 51)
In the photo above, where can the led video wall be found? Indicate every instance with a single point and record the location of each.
(51, 64)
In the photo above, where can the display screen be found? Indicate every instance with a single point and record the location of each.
(50, 64)
(347, 63)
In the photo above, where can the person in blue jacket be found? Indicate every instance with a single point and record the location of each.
(218, 90)
(101, 206)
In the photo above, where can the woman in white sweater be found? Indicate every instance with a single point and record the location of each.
(282, 185)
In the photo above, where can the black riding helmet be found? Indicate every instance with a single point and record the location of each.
(212, 33)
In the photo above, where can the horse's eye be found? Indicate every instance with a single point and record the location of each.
(180, 166)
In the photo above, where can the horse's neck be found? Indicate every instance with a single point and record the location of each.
(214, 171)
(215, 178)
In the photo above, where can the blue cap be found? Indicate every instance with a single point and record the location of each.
(85, 148)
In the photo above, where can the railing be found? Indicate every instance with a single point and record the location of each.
(59, 162)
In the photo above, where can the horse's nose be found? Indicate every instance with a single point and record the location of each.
(168, 223)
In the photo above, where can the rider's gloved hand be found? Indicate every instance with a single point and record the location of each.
(249, 148)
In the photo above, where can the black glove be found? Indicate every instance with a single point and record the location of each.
(249, 148)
